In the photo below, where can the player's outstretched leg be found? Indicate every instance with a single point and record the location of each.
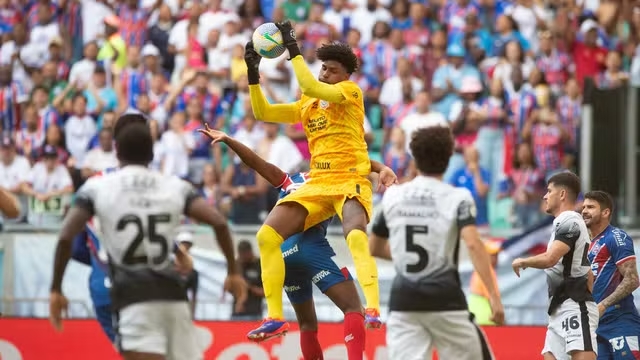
(354, 224)
(283, 221)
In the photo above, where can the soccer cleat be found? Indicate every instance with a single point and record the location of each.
(372, 319)
(270, 328)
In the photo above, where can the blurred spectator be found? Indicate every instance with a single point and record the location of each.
(612, 76)
(47, 184)
(553, 62)
(246, 191)
(250, 133)
(100, 96)
(114, 50)
(447, 79)
(589, 57)
(159, 37)
(421, 117)
(101, 158)
(132, 81)
(55, 137)
(365, 18)
(14, 169)
(30, 138)
(177, 144)
(249, 264)
(522, 102)
(278, 149)
(396, 156)
(465, 117)
(12, 96)
(524, 185)
(513, 56)
(477, 180)
(494, 121)
(392, 89)
(79, 129)
(338, 16)
(569, 109)
(108, 122)
(507, 31)
(548, 136)
(47, 114)
(211, 189)
(82, 71)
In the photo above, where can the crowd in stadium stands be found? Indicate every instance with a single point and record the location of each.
(506, 76)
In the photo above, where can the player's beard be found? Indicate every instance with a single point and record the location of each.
(592, 221)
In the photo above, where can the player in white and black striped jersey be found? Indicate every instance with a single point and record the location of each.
(573, 314)
(419, 229)
(139, 211)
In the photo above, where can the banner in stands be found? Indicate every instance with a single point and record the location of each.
(25, 339)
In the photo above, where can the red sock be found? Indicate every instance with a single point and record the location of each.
(354, 335)
(311, 349)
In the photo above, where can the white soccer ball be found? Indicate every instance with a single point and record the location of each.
(267, 41)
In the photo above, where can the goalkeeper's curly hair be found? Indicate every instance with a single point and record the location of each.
(339, 52)
(431, 148)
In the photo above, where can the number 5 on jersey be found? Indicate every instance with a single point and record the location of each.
(412, 246)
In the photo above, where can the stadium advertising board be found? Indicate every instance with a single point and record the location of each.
(26, 339)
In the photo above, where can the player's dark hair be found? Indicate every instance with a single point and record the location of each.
(134, 144)
(431, 148)
(128, 119)
(569, 181)
(340, 52)
(602, 198)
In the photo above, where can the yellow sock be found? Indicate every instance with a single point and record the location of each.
(272, 265)
(366, 268)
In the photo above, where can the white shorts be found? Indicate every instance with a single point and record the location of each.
(572, 328)
(159, 327)
(412, 336)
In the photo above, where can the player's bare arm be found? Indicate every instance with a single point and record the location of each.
(268, 171)
(262, 109)
(628, 285)
(272, 173)
(200, 211)
(545, 260)
(73, 224)
(482, 264)
(9, 205)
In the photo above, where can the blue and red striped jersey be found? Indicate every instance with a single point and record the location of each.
(609, 249)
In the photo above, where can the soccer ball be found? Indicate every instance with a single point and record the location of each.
(267, 41)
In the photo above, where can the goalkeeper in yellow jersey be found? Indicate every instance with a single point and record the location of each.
(332, 111)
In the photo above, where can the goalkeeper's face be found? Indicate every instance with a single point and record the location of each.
(332, 72)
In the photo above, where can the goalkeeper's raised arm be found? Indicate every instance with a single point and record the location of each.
(262, 109)
(334, 56)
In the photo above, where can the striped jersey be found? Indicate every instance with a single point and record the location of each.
(609, 249)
